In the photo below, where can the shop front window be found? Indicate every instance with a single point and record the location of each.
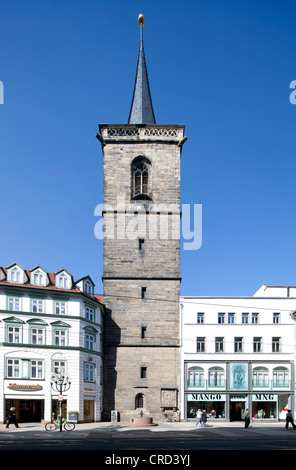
(264, 406)
(214, 408)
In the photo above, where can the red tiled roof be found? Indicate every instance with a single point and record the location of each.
(50, 286)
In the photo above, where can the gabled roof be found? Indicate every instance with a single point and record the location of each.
(14, 264)
(84, 278)
(51, 286)
(38, 266)
(141, 109)
(63, 269)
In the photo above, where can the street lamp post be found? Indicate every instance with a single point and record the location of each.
(61, 384)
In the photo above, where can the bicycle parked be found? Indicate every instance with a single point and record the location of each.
(53, 425)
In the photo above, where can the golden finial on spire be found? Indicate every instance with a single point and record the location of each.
(141, 20)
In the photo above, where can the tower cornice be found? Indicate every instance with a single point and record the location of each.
(141, 133)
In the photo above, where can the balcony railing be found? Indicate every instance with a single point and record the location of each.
(281, 384)
(261, 383)
(272, 384)
(206, 384)
(221, 384)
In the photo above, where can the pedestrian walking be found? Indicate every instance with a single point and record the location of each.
(204, 418)
(11, 418)
(246, 417)
(289, 419)
(198, 415)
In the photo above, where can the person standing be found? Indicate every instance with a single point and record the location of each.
(12, 418)
(246, 417)
(204, 418)
(289, 419)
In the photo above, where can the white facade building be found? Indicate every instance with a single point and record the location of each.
(238, 353)
(49, 323)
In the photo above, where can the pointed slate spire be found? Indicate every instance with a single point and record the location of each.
(141, 109)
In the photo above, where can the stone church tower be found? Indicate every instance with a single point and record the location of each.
(141, 275)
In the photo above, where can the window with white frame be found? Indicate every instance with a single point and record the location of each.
(196, 377)
(36, 369)
(89, 372)
(38, 278)
(219, 344)
(200, 345)
(231, 318)
(238, 344)
(216, 377)
(60, 337)
(13, 368)
(276, 318)
(14, 303)
(37, 336)
(90, 341)
(60, 308)
(257, 344)
(63, 281)
(245, 318)
(260, 377)
(37, 306)
(200, 318)
(221, 317)
(281, 377)
(14, 334)
(88, 288)
(276, 344)
(255, 318)
(89, 313)
(15, 275)
(59, 366)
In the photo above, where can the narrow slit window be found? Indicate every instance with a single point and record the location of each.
(143, 372)
(143, 332)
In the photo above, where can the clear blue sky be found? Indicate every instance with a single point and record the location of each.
(222, 68)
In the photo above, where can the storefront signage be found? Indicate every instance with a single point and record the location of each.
(238, 397)
(25, 388)
(206, 397)
(264, 397)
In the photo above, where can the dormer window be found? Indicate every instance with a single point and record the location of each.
(38, 278)
(141, 178)
(63, 281)
(15, 275)
(86, 285)
(88, 288)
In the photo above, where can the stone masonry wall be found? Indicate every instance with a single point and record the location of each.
(128, 269)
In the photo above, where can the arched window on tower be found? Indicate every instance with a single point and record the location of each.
(141, 178)
(139, 401)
